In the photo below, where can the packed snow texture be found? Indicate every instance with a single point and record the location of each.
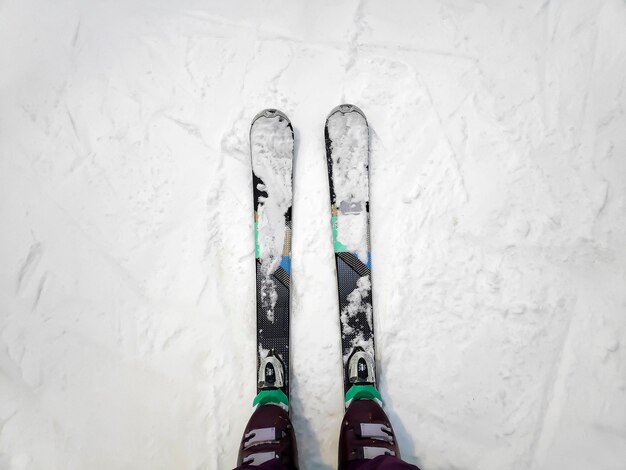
(349, 139)
(271, 145)
(357, 306)
(271, 148)
(498, 211)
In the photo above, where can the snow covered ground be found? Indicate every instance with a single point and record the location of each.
(498, 208)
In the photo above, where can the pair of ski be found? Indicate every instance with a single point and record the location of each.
(347, 154)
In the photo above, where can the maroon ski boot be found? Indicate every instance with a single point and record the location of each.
(269, 436)
(366, 433)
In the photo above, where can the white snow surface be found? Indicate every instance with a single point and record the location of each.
(271, 148)
(349, 137)
(271, 145)
(498, 212)
(356, 306)
(348, 133)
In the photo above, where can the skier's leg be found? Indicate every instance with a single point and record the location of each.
(367, 440)
(268, 442)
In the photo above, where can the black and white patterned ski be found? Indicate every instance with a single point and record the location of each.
(347, 155)
(271, 148)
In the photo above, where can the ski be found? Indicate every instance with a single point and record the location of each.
(347, 155)
(271, 149)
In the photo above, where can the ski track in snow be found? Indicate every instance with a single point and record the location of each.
(498, 228)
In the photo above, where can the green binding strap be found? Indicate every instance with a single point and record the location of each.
(367, 392)
(275, 396)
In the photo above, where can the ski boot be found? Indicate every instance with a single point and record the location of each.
(269, 433)
(366, 432)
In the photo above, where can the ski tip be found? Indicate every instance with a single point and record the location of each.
(271, 113)
(345, 109)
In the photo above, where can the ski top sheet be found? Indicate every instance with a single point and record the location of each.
(347, 154)
(271, 148)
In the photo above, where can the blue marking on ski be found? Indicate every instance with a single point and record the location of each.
(285, 263)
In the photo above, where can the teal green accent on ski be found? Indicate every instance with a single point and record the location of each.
(339, 247)
(257, 250)
(275, 396)
(358, 392)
